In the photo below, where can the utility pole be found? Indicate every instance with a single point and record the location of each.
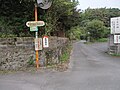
(36, 35)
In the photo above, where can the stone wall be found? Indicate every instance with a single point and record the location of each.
(114, 48)
(19, 53)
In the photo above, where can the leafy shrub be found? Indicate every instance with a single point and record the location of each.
(96, 29)
(74, 33)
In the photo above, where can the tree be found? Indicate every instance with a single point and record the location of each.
(102, 14)
(61, 16)
(89, 17)
(74, 33)
(15, 13)
(96, 29)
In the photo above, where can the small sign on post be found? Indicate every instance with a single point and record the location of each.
(116, 39)
(38, 43)
(45, 42)
(34, 28)
(35, 23)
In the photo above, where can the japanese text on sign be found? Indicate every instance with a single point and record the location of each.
(115, 25)
(45, 42)
(38, 44)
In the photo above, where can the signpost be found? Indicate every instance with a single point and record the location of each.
(115, 25)
(35, 23)
(38, 43)
(116, 39)
(36, 34)
(45, 42)
(34, 28)
(115, 29)
(44, 4)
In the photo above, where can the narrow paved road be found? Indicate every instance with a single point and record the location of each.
(90, 69)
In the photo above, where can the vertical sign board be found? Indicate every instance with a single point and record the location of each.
(38, 43)
(116, 39)
(45, 42)
(115, 25)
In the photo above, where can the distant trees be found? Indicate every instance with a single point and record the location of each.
(96, 29)
(97, 21)
(102, 14)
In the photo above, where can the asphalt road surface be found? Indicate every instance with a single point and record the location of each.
(91, 68)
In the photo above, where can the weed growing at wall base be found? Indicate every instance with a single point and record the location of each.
(66, 54)
(31, 61)
(64, 57)
(117, 55)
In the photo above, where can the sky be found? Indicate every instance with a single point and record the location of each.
(84, 4)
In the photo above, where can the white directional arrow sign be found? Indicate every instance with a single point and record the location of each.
(35, 23)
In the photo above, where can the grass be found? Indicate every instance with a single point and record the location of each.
(66, 54)
(64, 57)
(99, 40)
(31, 61)
(116, 55)
(102, 40)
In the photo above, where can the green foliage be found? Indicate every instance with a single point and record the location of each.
(15, 13)
(102, 40)
(31, 61)
(117, 55)
(64, 57)
(74, 33)
(5, 28)
(61, 16)
(96, 29)
(97, 21)
(2, 35)
(102, 14)
(65, 54)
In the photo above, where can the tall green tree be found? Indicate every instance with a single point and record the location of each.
(61, 16)
(96, 29)
(97, 21)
